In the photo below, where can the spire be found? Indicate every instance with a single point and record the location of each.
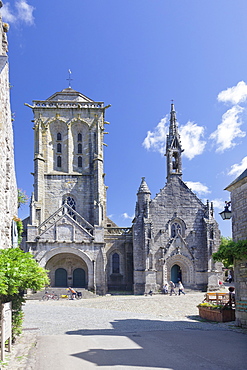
(173, 147)
(173, 121)
(144, 187)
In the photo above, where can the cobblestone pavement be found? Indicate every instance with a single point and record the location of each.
(104, 314)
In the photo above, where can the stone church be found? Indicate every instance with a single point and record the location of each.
(172, 237)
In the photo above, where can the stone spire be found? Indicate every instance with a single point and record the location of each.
(173, 147)
(144, 187)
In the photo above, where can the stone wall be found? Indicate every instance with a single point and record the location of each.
(8, 188)
(238, 191)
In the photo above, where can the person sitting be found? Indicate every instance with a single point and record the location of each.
(72, 293)
(165, 289)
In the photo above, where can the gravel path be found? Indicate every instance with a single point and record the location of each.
(121, 313)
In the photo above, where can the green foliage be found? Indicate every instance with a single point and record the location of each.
(230, 251)
(19, 271)
(22, 198)
(212, 306)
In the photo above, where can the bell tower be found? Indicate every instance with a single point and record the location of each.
(173, 148)
(68, 157)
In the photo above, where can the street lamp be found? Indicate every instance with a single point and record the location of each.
(226, 214)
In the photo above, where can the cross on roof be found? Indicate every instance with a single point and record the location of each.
(69, 79)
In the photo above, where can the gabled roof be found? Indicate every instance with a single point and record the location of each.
(238, 181)
(69, 95)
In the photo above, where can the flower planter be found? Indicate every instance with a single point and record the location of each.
(220, 315)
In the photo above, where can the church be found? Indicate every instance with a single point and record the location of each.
(172, 236)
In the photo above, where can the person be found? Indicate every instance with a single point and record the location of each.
(229, 278)
(172, 288)
(165, 289)
(72, 293)
(180, 288)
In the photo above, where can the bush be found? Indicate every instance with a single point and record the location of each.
(18, 272)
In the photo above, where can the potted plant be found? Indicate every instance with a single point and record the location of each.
(216, 312)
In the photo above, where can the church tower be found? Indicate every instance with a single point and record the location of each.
(68, 205)
(173, 148)
(174, 234)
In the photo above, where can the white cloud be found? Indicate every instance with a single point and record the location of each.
(23, 12)
(190, 134)
(235, 95)
(156, 140)
(6, 13)
(237, 169)
(228, 129)
(126, 216)
(219, 204)
(197, 187)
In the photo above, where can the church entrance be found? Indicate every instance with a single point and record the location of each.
(176, 274)
(60, 277)
(67, 269)
(79, 278)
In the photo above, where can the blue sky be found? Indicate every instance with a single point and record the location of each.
(138, 56)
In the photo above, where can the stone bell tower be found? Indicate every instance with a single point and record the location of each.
(173, 148)
(68, 157)
(65, 230)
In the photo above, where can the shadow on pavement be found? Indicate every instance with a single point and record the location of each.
(164, 344)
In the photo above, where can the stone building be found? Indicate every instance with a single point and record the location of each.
(68, 230)
(8, 189)
(173, 236)
(238, 189)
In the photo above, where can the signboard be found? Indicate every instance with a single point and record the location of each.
(6, 327)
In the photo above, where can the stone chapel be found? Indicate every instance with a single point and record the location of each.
(172, 237)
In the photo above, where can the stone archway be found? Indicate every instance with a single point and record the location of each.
(184, 269)
(67, 269)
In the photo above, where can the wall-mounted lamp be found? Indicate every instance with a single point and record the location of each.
(226, 214)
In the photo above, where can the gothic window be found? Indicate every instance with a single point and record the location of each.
(59, 148)
(59, 136)
(79, 148)
(80, 162)
(175, 229)
(115, 263)
(59, 161)
(71, 202)
(79, 137)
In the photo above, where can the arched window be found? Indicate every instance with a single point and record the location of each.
(59, 148)
(175, 229)
(59, 136)
(79, 137)
(59, 161)
(80, 161)
(71, 202)
(115, 263)
(79, 148)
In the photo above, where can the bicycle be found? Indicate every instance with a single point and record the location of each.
(48, 296)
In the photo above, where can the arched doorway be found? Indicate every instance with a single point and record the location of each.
(176, 274)
(60, 277)
(79, 278)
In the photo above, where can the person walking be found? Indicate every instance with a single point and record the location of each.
(172, 288)
(180, 288)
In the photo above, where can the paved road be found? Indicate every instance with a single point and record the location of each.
(128, 332)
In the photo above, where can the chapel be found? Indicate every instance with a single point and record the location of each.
(172, 236)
